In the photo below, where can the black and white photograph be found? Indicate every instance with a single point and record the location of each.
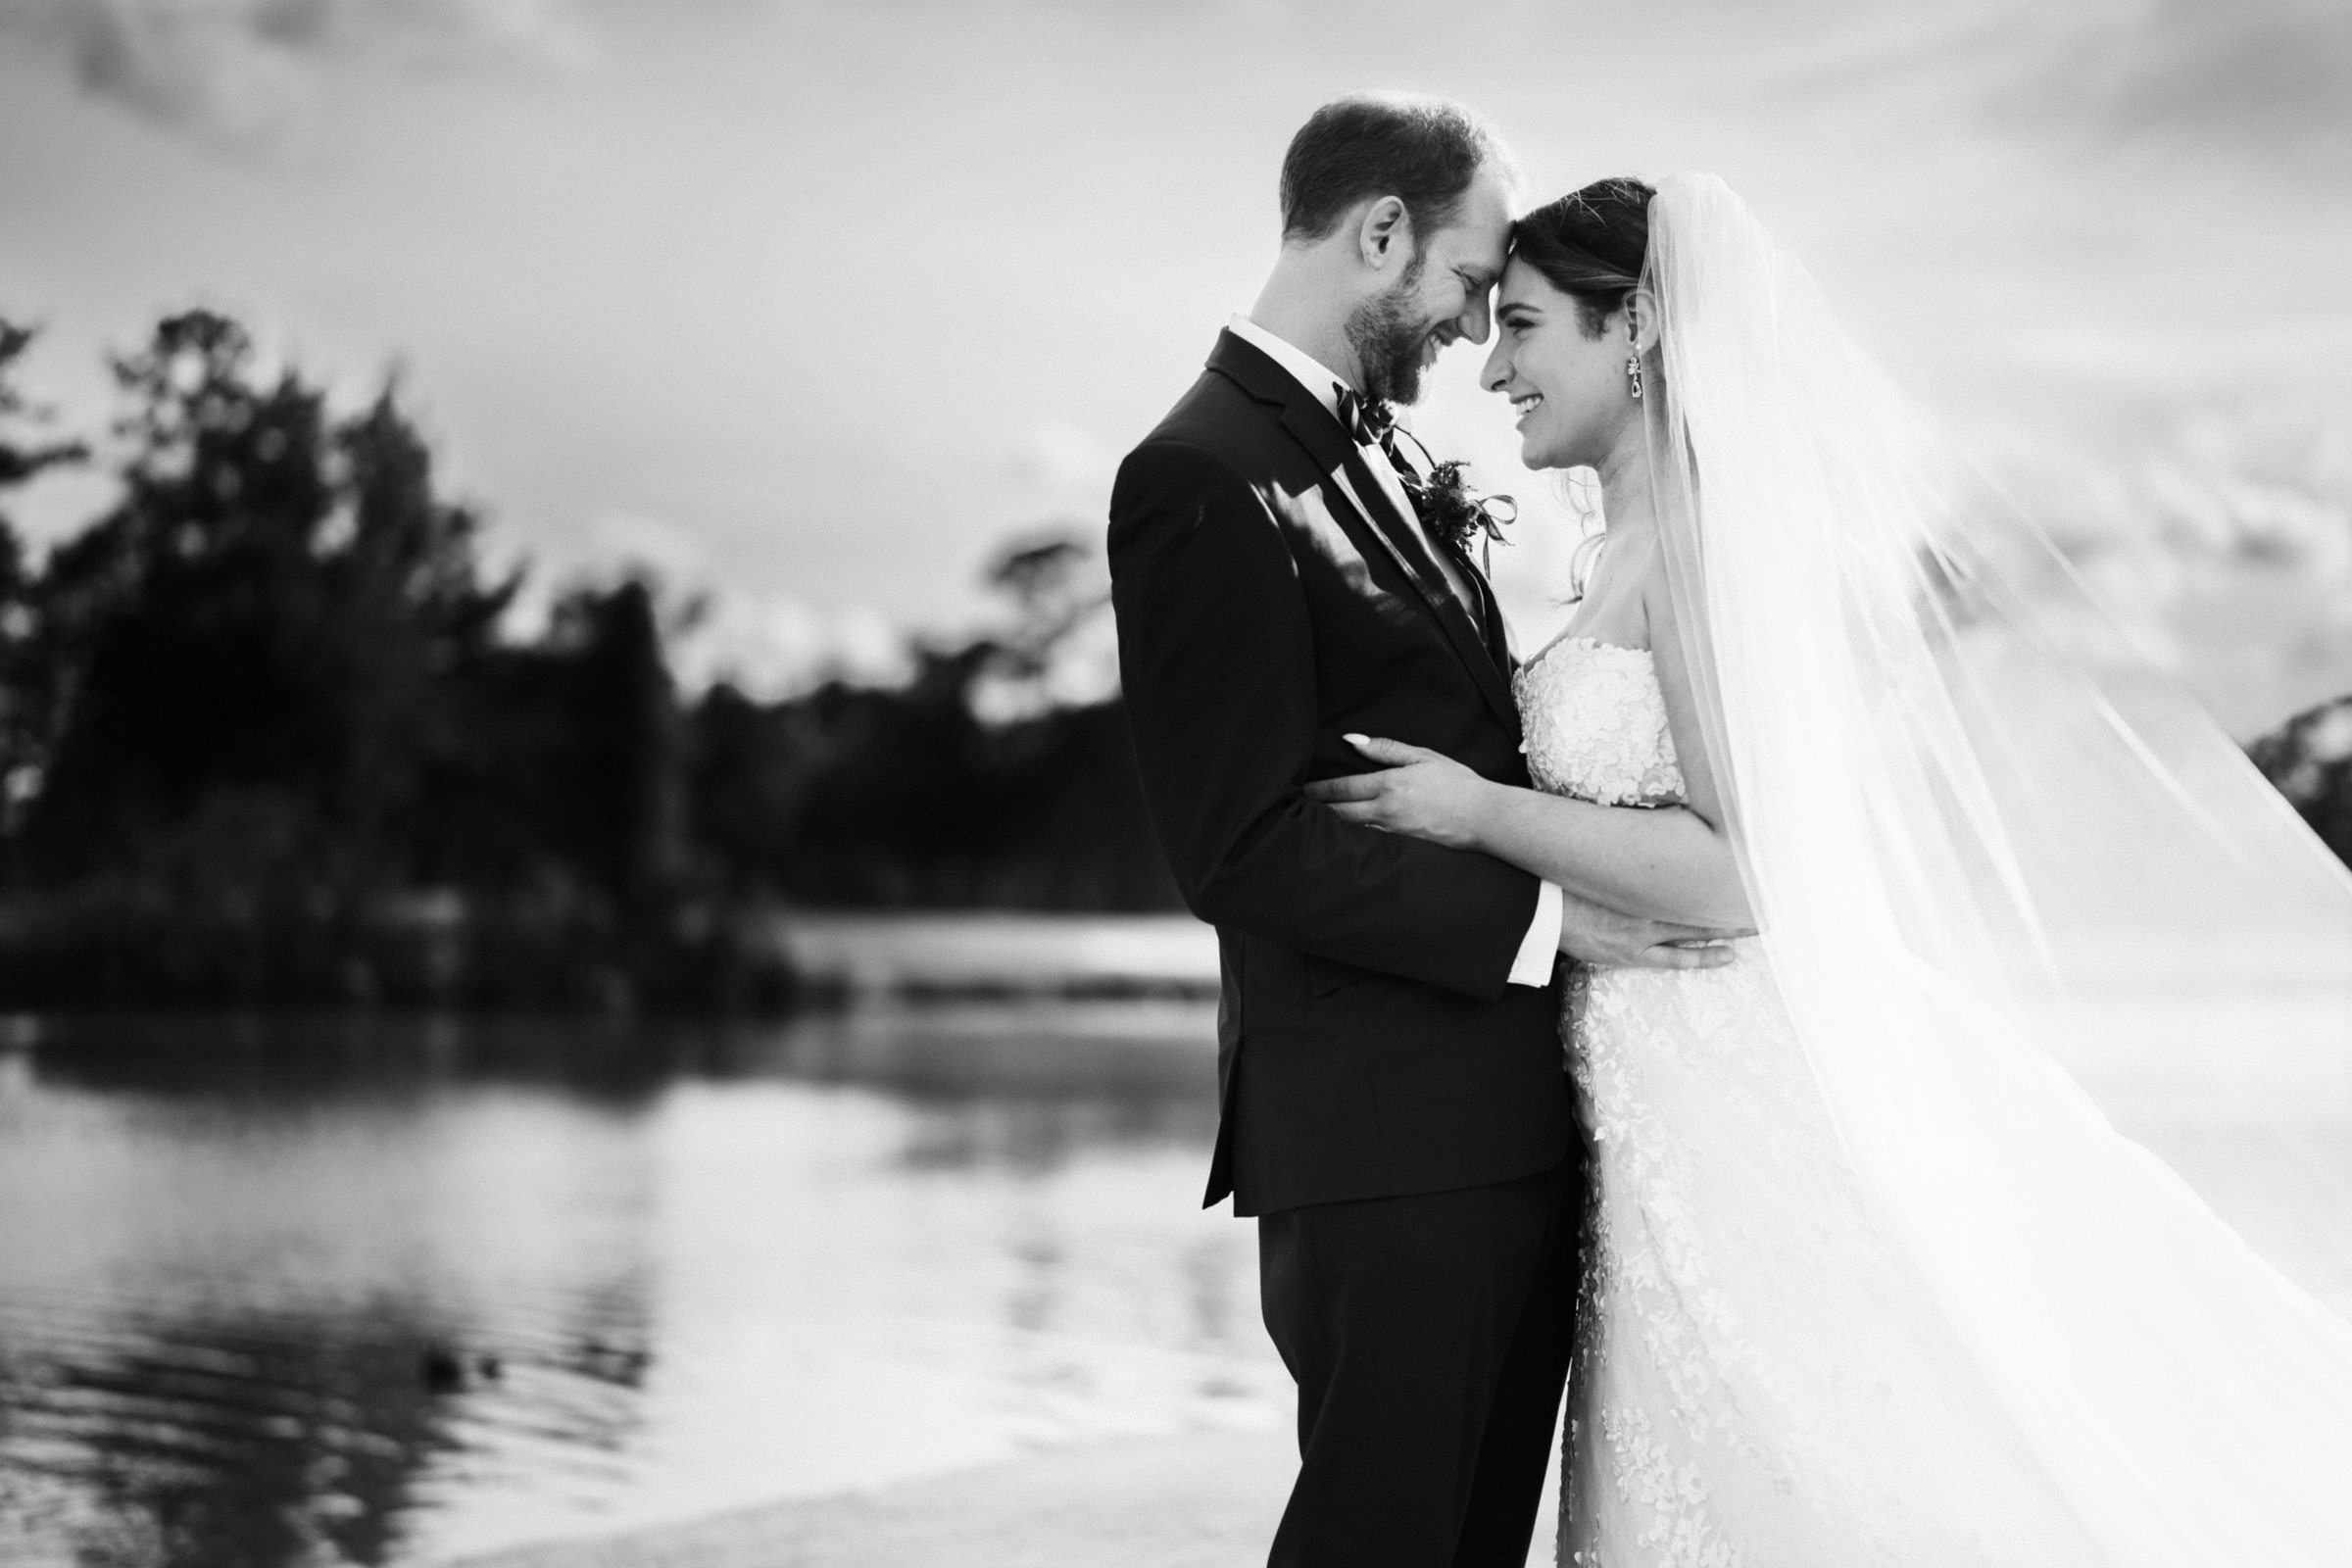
(1032, 783)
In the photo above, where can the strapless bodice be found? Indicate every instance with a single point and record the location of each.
(1594, 722)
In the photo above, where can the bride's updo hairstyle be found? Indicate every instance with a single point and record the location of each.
(1589, 243)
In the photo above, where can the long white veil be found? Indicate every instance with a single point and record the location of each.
(1982, 838)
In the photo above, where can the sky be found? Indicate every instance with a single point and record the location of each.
(812, 304)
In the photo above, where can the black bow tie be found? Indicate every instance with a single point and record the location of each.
(1372, 421)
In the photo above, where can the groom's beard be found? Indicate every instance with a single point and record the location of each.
(1387, 342)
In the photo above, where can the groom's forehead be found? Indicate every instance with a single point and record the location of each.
(1483, 224)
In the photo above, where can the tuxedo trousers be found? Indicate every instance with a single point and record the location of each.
(1430, 1337)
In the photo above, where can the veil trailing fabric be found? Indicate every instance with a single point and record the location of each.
(1983, 839)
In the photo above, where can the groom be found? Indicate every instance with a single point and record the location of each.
(1393, 1107)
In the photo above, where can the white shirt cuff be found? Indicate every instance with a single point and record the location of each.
(1542, 943)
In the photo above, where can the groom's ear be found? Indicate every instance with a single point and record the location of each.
(1384, 235)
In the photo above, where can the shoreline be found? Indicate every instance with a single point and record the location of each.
(440, 953)
(1203, 1500)
(910, 954)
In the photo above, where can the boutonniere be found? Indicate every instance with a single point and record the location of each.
(1453, 513)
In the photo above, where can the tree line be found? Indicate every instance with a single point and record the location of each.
(266, 735)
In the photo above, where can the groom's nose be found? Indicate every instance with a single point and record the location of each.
(1476, 318)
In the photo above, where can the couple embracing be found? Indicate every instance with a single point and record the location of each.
(1667, 1018)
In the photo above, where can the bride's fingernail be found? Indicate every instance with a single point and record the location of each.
(1356, 740)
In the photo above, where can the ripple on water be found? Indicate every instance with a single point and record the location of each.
(265, 1301)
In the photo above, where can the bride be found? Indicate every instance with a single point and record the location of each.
(1871, 1281)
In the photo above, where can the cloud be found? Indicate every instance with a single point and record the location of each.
(2260, 79)
(640, 544)
(242, 74)
(775, 647)
(2259, 76)
(2266, 485)
(195, 67)
(2224, 544)
(766, 645)
(2257, 83)
(1064, 460)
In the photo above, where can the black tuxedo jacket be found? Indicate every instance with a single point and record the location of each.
(1368, 1042)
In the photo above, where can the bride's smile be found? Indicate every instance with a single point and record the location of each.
(1842, 838)
(1561, 360)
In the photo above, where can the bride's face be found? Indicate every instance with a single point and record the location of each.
(1569, 390)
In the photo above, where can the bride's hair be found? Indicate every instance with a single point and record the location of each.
(1589, 243)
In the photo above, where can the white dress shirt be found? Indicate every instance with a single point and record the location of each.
(1325, 385)
(1541, 945)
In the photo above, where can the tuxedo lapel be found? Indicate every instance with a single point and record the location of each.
(1404, 543)
(1486, 611)
(1497, 630)
(1357, 497)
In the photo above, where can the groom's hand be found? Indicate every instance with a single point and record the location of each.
(1593, 934)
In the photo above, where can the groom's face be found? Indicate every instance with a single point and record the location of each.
(1437, 297)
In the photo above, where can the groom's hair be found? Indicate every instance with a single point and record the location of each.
(1423, 150)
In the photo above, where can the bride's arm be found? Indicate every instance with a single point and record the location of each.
(1663, 864)
(1667, 863)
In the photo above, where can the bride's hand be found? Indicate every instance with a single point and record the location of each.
(1417, 792)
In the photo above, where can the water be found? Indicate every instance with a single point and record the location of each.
(378, 1292)
(381, 1292)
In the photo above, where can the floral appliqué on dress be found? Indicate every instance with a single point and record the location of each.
(1744, 1393)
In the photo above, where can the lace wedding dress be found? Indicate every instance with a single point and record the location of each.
(1872, 1279)
(1759, 1378)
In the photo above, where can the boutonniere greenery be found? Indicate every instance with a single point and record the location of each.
(1455, 514)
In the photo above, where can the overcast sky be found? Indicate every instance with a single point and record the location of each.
(817, 302)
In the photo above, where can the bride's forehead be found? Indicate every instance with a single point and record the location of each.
(1522, 284)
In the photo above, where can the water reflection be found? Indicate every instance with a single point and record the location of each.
(374, 1292)
(257, 1439)
(363, 1291)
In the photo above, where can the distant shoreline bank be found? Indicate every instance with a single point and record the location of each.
(438, 953)
(991, 954)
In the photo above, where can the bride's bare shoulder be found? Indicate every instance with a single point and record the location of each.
(1616, 604)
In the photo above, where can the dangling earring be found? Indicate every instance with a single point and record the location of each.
(1633, 358)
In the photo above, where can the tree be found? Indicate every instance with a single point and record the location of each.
(1001, 775)
(244, 655)
(419, 623)
(20, 460)
(183, 632)
(23, 748)
(2309, 759)
(266, 696)
(626, 767)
